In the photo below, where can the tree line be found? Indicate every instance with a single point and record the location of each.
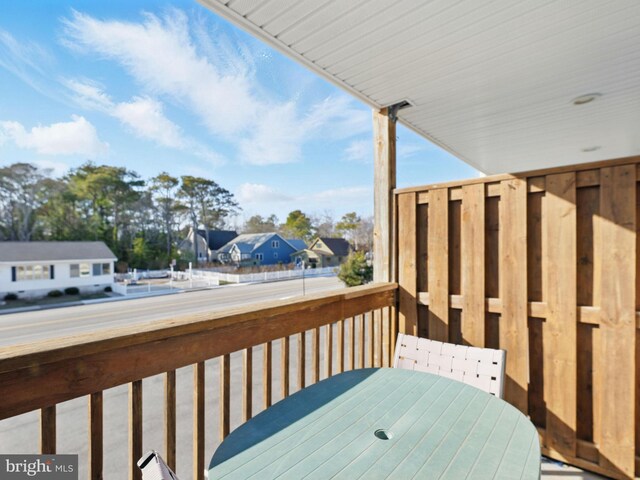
(142, 221)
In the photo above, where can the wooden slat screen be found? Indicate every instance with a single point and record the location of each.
(544, 265)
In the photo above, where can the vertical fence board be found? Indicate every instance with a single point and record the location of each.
(560, 328)
(170, 418)
(422, 267)
(48, 430)
(438, 251)
(472, 265)
(135, 429)
(513, 290)
(96, 436)
(407, 255)
(617, 317)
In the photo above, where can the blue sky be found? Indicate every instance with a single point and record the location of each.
(170, 86)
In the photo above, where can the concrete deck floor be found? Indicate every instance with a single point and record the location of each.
(552, 470)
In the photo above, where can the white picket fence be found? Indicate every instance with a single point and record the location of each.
(206, 278)
(264, 276)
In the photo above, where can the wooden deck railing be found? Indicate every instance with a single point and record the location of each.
(545, 265)
(40, 376)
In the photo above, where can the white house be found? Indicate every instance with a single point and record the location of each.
(33, 269)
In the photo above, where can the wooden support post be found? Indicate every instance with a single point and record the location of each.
(384, 181)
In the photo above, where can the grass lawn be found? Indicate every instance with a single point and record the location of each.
(50, 300)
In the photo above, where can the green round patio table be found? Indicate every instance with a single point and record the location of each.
(383, 423)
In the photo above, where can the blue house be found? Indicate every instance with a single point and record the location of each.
(258, 249)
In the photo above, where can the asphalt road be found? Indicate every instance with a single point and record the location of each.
(27, 327)
(20, 434)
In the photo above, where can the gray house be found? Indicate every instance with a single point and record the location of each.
(207, 247)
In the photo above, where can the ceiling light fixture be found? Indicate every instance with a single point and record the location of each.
(588, 98)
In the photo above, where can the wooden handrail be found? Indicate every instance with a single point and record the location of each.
(45, 373)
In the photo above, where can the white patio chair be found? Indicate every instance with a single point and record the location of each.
(482, 368)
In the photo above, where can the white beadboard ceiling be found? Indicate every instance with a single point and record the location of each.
(490, 81)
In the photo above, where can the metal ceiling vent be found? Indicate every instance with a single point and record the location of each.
(393, 109)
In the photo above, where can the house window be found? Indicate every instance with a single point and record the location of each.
(259, 256)
(30, 272)
(275, 254)
(275, 244)
(80, 270)
(101, 269)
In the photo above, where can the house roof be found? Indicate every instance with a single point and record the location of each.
(296, 243)
(339, 246)
(493, 82)
(51, 251)
(218, 238)
(248, 242)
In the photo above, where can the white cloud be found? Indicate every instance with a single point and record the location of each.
(406, 150)
(143, 115)
(26, 60)
(215, 79)
(257, 193)
(77, 137)
(360, 151)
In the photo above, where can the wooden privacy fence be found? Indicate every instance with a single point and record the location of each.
(544, 265)
(339, 327)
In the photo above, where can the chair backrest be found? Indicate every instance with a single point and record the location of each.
(481, 367)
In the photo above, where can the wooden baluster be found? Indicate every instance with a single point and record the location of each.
(198, 421)
(302, 349)
(135, 429)
(370, 340)
(96, 448)
(315, 355)
(394, 334)
(170, 419)
(361, 343)
(377, 328)
(225, 395)
(328, 350)
(284, 366)
(266, 374)
(386, 321)
(340, 347)
(247, 383)
(48, 430)
(352, 343)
